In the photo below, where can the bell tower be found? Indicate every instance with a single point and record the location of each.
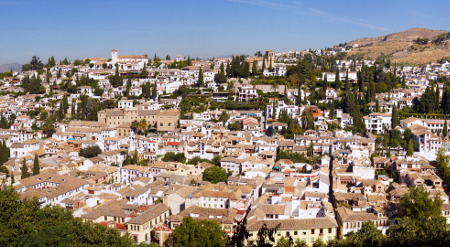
(114, 56)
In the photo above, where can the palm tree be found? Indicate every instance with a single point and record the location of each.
(135, 126)
(143, 125)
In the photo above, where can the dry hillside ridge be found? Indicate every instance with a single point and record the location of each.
(400, 47)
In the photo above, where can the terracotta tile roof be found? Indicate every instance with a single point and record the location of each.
(295, 224)
(149, 214)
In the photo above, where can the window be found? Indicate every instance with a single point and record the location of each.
(295, 233)
(312, 232)
(106, 217)
(329, 230)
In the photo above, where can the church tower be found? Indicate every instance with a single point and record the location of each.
(114, 56)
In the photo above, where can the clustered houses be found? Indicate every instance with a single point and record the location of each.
(317, 185)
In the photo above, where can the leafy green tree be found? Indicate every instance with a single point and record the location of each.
(172, 157)
(36, 167)
(35, 64)
(285, 242)
(215, 174)
(199, 233)
(90, 151)
(265, 236)
(422, 223)
(24, 170)
(427, 102)
(216, 160)
(240, 234)
(417, 204)
(224, 116)
(25, 223)
(236, 126)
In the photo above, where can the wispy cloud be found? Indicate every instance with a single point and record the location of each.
(298, 9)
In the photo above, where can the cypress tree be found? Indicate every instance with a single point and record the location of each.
(299, 98)
(410, 150)
(154, 91)
(2, 155)
(36, 165)
(274, 113)
(254, 68)
(360, 81)
(264, 64)
(135, 157)
(332, 108)
(445, 131)
(144, 72)
(65, 104)
(24, 170)
(246, 69)
(377, 106)
(347, 82)
(12, 178)
(189, 62)
(222, 68)
(72, 111)
(436, 105)
(5, 152)
(200, 77)
(270, 66)
(337, 80)
(127, 92)
(395, 120)
(325, 82)
(445, 100)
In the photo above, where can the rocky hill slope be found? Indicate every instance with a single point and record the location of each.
(402, 47)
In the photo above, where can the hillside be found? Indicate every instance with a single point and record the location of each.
(400, 47)
(7, 67)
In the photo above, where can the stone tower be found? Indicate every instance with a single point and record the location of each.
(114, 56)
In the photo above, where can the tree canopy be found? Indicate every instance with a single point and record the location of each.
(215, 174)
(199, 233)
(90, 151)
(24, 223)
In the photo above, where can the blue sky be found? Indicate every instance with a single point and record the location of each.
(199, 28)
